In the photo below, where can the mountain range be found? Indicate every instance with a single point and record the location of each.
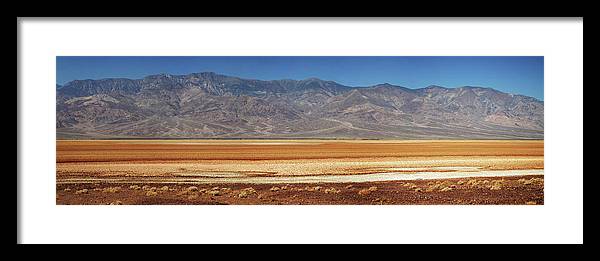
(210, 105)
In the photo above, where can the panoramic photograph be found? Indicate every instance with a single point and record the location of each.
(300, 130)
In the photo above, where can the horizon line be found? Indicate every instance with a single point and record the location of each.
(309, 78)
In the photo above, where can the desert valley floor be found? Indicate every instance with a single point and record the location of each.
(299, 172)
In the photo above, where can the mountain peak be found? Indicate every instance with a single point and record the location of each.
(313, 79)
(476, 87)
(159, 76)
(208, 73)
(436, 87)
(387, 85)
(210, 105)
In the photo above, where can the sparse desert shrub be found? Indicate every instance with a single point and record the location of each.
(189, 190)
(364, 192)
(145, 187)
(213, 192)
(332, 191)
(164, 188)
(274, 189)
(244, 193)
(497, 185)
(315, 188)
(225, 190)
(250, 190)
(111, 190)
(433, 187)
(368, 191)
(134, 187)
(151, 193)
(441, 186)
(531, 181)
(81, 191)
(410, 185)
(472, 183)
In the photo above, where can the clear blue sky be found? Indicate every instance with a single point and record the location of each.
(512, 74)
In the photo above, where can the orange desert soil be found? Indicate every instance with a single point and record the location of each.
(162, 172)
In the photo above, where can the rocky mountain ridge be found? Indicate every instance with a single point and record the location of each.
(210, 105)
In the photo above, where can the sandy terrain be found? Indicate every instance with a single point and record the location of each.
(263, 164)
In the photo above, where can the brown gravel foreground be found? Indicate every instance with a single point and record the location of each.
(467, 191)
